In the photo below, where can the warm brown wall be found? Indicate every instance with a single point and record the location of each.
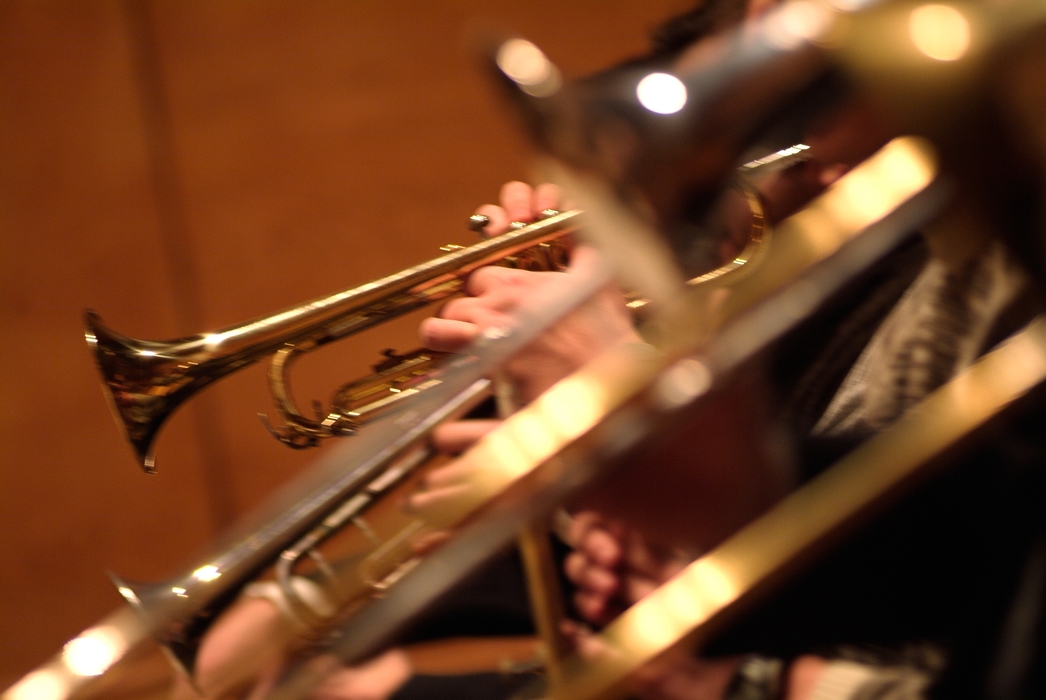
(182, 166)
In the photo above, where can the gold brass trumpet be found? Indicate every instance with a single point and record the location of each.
(145, 381)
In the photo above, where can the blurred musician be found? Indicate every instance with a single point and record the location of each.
(901, 612)
(934, 600)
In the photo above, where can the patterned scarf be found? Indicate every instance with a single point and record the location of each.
(938, 328)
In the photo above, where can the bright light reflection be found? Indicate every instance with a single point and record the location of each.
(147, 353)
(572, 406)
(526, 64)
(865, 198)
(849, 5)
(698, 592)
(688, 607)
(206, 573)
(39, 685)
(939, 31)
(774, 157)
(178, 591)
(683, 382)
(908, 165)
(505, 458)
(711, 582)
(796, 22)
(535, 435)
(661, 93)
(651, 630)
(901, 169)
(128, 593)
(1026, 363)
(94, 651)
(804, 19)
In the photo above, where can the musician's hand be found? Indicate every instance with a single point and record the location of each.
(244, 649)
(450, 480)
(496, 292)
(455, 437)
(520, 202)
(613, 566)
(595, 567)
(376, 679)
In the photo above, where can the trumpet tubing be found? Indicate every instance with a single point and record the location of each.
(145, 381)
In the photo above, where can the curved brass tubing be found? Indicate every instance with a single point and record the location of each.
(145, 381)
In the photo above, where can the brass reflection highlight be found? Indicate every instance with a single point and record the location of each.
(206, 573)
(870, 191)
(661, 93)
(796, 22)
(527, 65)
(39, 685)
(82, 659)
(939, 31)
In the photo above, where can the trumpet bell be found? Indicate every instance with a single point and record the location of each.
(143, 382)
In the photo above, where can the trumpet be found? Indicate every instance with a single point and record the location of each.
(145, 381)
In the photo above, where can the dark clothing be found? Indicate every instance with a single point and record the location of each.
(956, 568)
(957, 565)
(491, 602)
(811, 362)
(941, 566)
(473, 686)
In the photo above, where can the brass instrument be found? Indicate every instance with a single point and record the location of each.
(179, 611)
(182, 608)
(619, 404)
(145, 381)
